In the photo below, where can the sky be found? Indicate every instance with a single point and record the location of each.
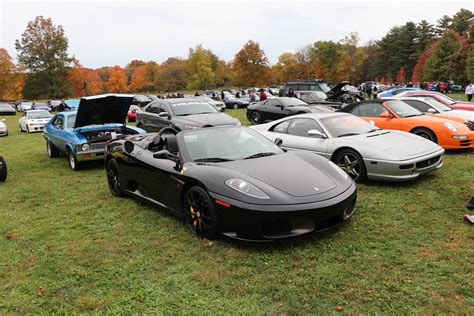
(107, 32)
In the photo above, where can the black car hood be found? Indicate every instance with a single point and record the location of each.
(207, 119)
(103, 109)
(338, 88)
(296, 177)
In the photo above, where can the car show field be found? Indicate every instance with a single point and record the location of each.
(68, 245)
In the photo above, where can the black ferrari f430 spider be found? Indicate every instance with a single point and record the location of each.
(231, 181)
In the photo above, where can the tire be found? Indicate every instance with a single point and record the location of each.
(199, 213)
(3, 169)
(425, 133)
(235, 106)
(113, 178)
(73, 163)
(352, 163)
(256, 117)
(53, 152)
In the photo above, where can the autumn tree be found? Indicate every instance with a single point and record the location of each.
(289, 68)
(401, 75)
(145, 77)
(325, 57)
(420, 65)
(250, 66)
(10, 78)
(200, 67)
(84, 81)
(470, 65)
(131, 66)
(117, 82)
(462, 20)
(42, 50)
(173, 75)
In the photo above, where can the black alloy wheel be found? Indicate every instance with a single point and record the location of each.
(352, 163)
(425, 133)
(256, 117)
(199, 213)
(113, 178)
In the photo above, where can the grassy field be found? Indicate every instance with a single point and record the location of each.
(67, 245)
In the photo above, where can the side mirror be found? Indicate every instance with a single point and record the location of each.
(315, 132)
(432, 111)
(385, 115)
(278, 142)
(165, 115)
(164, 154)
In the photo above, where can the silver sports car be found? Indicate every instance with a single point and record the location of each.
(358, 147)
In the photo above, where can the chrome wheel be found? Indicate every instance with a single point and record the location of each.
(199, 213)
(236, 106)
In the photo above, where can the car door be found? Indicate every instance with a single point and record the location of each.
(149, 117)
(371, 113)
(162, 122)
(57, 133)
(23, 122)
(297, 138)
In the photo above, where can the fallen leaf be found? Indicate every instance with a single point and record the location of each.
(206, 245)
(458, 298)
(339, 308)
(280, 305)
(9, 236)
(39, 291)
(407, 278)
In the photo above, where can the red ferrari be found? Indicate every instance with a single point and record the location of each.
(454, 104)
(132, 113)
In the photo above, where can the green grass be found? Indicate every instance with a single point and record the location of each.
(68, 246)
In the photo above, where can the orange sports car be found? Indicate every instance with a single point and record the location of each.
(449, 133)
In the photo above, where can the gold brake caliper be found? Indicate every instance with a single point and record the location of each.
(193, 216)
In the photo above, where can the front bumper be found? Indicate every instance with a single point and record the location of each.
(36, 128)
(270, 223)
(390, 170)
(96, 152)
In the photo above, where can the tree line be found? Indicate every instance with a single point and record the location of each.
(413, 52)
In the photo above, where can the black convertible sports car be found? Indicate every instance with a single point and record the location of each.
(277, 108)
(231, 181)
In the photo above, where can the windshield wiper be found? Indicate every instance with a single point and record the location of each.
(374, 130)
(212, 159)
(348, 134)
(260, 155)
(412, 115)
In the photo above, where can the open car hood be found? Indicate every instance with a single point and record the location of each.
(103, 109)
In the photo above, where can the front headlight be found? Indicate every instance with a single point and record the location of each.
(85, 147)
(338, 169)
(246, 188)
(450, 126)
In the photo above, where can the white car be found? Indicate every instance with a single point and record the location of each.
(429, 105)
(3, 128)
(34, 120)
(24, 106)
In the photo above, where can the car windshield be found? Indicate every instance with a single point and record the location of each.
(438, 106)
(219, 144)
(293, 102)
(402, 109)
(446, 99)
(318, 95)
(346, 125)
(320, 86)
(39, 115)
(192, 107)
(71, 119)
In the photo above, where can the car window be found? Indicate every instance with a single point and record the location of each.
(300, 127)
(163, 108)
(370, 110)
(281, 127)
(305, 97)
(71, 119)
(420, 106)
(153, 108)
(272, 102)
(58, 122)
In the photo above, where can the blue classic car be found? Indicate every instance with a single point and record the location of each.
(81, 135)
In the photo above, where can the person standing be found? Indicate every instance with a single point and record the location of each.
(63, 106)
(291, 93)
(374, 91)
(469, 92)
(262, 95)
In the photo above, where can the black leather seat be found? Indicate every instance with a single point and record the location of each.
(170, 143)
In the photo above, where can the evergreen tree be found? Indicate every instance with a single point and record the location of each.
(443, 24)
(462, 20)
(439, 66)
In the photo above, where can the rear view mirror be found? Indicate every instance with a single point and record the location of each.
(315, 132)
(385, 115)
(432, 111)
(165, 154)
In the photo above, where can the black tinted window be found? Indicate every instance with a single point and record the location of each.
(370, 110)
(153, 108)
(420, 106)
(272, 102)
(300, 127)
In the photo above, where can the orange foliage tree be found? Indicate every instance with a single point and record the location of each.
(419, 67)
(117, 80)
(82, 78)
(11, 81)
(401, 75)
(250, 66)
